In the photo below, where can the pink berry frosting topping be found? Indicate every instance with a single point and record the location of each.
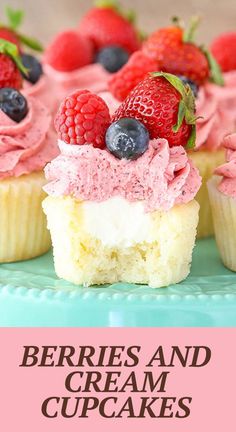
(26, 146)
(228, 170)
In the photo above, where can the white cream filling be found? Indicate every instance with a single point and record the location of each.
(117, 222)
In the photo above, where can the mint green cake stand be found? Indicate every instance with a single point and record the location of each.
(32, 295)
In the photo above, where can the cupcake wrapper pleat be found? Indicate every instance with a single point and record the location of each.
(23, 228)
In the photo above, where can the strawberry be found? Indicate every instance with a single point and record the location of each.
(176, 53)
(223, 49)
(68, 51)
(105, 25)
(162, 39)
(10, 66)
(138, 66)
(165, 106)
(9, 74)
(11, 34)
(83, 118)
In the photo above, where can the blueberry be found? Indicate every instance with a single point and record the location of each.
(112, 58)
(191, 84)
(34, 67)
(13, 104)
(127, 138)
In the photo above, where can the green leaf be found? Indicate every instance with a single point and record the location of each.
(192, 139)
(189, 33)
(11, 50)
(15, 17)
(173, 80)
(113, 4)
(216, 74)
(181, 115)
(131, 16)
(31, 43)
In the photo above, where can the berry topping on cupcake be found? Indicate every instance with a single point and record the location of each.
(161, 106)
(172, 50)
(135, 70)
(112, 58)
(83, 118)
(127, 138)
(105, 25)
(13, 104)
(69, 51)
(176, 52)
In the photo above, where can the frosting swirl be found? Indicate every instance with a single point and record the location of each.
(228, 170)
(44, 90)
(26, 146)
(92, 77)
(161, 177)
(217, 116)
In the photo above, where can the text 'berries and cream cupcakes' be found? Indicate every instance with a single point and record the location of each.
(27, 143)
(121, 201)
(222, 192)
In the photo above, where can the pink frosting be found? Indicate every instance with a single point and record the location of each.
(215, 106)
(27, 146)
(44, 90)
(92, 77)
(161, 177)
(228, 170)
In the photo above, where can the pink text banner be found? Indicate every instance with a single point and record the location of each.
(154, 379)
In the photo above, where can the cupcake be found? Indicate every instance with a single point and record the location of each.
(121, 201)
(86, 57)
(222, 193)
(172, 49)
(27, 143)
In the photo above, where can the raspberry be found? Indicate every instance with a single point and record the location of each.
(223, 49)
(10, 75)
(135, 70)
(83, 118)
(69, 51)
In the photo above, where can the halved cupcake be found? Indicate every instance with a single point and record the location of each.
(121, 203)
